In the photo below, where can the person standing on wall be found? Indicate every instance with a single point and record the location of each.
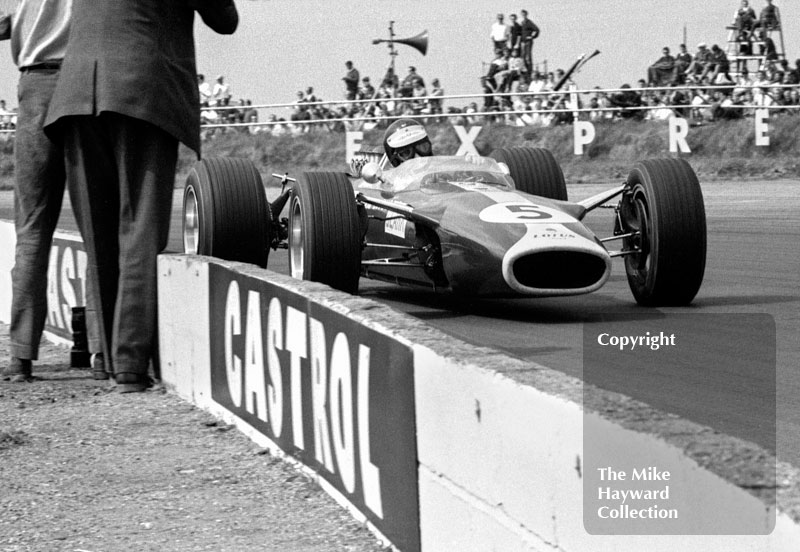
(499, 34)
(121, 146)
(514, 33)
(530, 32)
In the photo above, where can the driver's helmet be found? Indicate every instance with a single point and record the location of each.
(404, 140)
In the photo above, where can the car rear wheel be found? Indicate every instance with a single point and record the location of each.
(324, 231)
(664, 207)
(534, 170)
(225, 211)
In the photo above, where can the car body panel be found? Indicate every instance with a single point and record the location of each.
(493, 240)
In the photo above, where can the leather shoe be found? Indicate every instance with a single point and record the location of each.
(132, 383)
(98, 367)
(19, 370)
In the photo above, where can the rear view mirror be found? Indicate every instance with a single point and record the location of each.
(372, 173)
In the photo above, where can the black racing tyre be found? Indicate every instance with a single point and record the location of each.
(324, 231)
(665, 204)
(225, 211)
(534, 170)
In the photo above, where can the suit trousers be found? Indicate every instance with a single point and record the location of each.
(120, 177)
(38, 193)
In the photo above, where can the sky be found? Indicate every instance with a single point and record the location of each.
(283, 46)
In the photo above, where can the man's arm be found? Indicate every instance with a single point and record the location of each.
(220, 15)
(529, 30)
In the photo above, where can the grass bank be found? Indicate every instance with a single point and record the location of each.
(722, 150)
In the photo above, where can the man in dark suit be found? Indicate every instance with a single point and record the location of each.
(530, 32)
(126, 96)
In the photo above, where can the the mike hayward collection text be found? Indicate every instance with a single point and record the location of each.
(641, 500)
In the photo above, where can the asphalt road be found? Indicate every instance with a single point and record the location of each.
(753, 267)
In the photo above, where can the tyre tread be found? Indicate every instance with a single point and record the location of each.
(332, 230)
(677, 214)
(234, 215)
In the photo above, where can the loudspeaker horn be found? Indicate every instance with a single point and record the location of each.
(418, 42)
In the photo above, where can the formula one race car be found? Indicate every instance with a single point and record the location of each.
(496, 226)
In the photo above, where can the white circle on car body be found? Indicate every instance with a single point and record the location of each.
(518, 212)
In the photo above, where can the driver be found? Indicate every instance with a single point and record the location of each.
(404, 140)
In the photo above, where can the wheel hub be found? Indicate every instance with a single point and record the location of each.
(296, 246)
(191, 224)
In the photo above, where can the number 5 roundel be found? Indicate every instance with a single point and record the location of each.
(523, 213)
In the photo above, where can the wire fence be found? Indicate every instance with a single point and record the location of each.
(522, 108)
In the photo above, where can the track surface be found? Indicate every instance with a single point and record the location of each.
(753, 267)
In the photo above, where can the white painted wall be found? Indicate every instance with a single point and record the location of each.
(183, 322)
(498, 471)
(8, 240)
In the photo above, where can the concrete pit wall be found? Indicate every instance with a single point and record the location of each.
(435, 444)
(499, 442)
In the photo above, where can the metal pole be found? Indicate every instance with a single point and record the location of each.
(392, 51)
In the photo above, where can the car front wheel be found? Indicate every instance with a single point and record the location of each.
(663, 208)
(225, 212)
(324, 231)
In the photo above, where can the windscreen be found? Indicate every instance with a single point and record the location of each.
(442, 174)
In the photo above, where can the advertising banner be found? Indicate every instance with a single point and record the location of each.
(66, 285)
(335, 395)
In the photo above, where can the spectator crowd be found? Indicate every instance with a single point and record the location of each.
(711, 83)
(217, 105)
(8, 117)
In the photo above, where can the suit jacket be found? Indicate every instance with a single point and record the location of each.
(137, 58)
